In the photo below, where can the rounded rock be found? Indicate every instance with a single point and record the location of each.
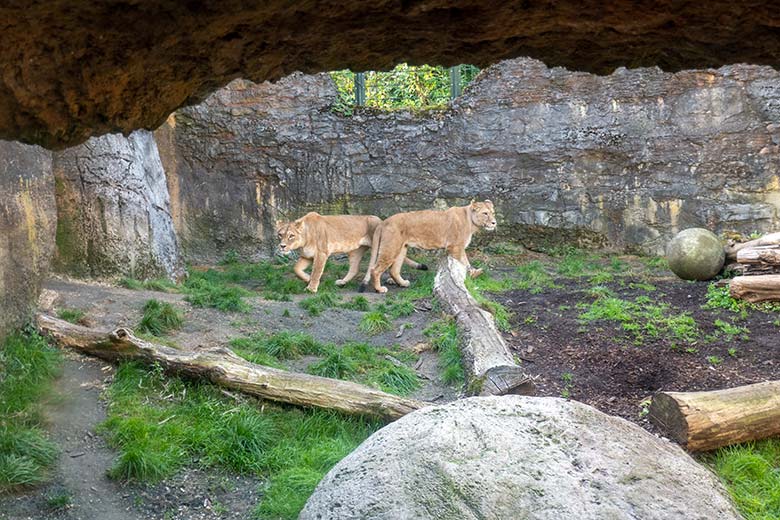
(695, 254)
(517, 457)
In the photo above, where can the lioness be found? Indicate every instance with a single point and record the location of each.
(428, 229)
(319, 236)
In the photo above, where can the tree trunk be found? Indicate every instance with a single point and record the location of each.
(490, 367)
(756, 288)
(707, 420)
(222, 367)
(759, 255)
(766, 240)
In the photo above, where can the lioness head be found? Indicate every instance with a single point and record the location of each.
(483, 215)
(290, 235)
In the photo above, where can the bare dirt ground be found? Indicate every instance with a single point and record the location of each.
(600, 365)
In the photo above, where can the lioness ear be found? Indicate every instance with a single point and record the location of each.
(489, 203)
(298, 224)
(473, 203)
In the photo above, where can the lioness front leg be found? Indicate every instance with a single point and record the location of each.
(300, 268)
(459, 253)
(316, 272)
(354, 264)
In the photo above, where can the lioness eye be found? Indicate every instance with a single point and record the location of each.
(290, 236)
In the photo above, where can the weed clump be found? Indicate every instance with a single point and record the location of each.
(160, 318)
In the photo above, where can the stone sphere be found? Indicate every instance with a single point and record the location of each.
(695, 254)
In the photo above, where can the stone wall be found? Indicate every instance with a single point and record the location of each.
(624, 160)
(27, 223)
(114, 209)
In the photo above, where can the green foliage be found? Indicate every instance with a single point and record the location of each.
(131, 283)
(576, 263)
(730, 330)
(59, 501)
(28, 364)
(500, 312)
(315, 305)
(71, 315)
(231, 258)
(374, 322)
(752, 475)
(161, 424)
(641, 318)
(444, 338)
(720, 298)
(534, 278)
(259, 347)
(155, 284)
(337, 364)
(405, 86)
(160, 318)
(358, 303)
(202, 292)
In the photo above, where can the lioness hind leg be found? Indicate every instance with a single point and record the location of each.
(381, 266)
(300, 268)
(354, 264)
(395, 269)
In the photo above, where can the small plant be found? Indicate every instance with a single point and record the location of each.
(601, 278)
(160, 318)
(336, 364)
(317, 304)
(644, 407)
(283, 345)
(72, 315)
(374, 323)
(131, 283)
(600, 291)
(642, 286)
(568, 384)
(59, 500)
(231, 257)
(731, 331)
(358, 303)
(444, 339)
(534, 278)
(732, 352)
(720, 298)
(286, 313)
(530, 319)
(714, 360)
(227, 298)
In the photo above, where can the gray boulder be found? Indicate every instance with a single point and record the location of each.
(695, 254)
(515, 457)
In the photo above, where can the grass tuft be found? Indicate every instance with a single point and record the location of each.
(374, 322)
(534, 278)
(72, 315)
(444, 338)
(283, 345)
(204, 293)
(358, 303)
(315, 305)
(160, 318)
(28, 364)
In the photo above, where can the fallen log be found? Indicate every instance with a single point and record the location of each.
(489, 365)
(759, 255)
(224, 368)
(766, 240)
(756, 288)
(703, 421)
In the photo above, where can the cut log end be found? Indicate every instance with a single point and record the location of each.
(506, 380)
(665, 413)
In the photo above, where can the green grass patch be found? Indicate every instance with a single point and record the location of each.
(642, 319)
(534, 278)
(374, 322)
(160, 424)
(751, 473)
(500, 313)
(720, 298)
(576, 263)
(358, 303)
(71, 315)
(279, 346)
(203, 292)
(443, 335)
(28, 364)
(160, 318)
(155, 284)
(317, 304)
(731, 331)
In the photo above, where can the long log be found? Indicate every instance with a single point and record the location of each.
(759, 255)
(756, 288)
(224, 368)
(766, 240)
(703, 421)
(489, 365)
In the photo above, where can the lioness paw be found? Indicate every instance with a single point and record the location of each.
(404, 283)
(311, 289)
(340, 282)
(382, 289)
(475, 272)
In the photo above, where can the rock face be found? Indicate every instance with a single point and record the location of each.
(517, 457)
(114, 209)
(72, 69)
(695, 254)
(625, 160)
(27, 223)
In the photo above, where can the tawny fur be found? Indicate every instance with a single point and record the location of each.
(428, 229)
(319, 236)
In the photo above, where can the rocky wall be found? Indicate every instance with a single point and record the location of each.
(114, 209)
(27, 223)
(624, 160)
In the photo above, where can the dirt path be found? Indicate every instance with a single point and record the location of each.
(74, 414)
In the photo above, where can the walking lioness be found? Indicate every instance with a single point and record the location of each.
(319, 236)
(428, 229)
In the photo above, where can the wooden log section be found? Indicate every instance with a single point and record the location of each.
(756, 288)
(489, 365)
(703, 421)
(759, 255)
(766, 240)
(224, 368)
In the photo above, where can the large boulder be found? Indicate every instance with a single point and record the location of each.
(695, 254)
(114, 209)
(517, 457)
(28, 218)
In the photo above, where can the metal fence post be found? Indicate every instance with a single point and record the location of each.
(454, 81)
(360, 89)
